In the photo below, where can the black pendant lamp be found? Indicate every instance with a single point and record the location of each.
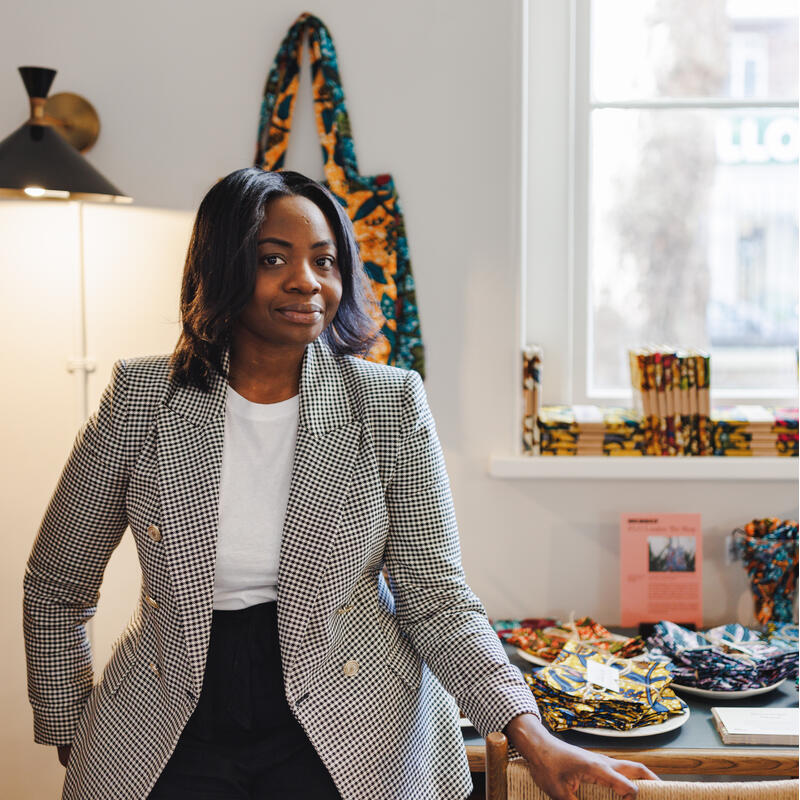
(37, 161)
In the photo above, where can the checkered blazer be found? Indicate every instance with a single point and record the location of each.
(368, 488)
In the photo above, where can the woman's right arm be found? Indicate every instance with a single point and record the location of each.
(82, 525)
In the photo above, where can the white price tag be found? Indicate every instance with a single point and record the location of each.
(602, 675)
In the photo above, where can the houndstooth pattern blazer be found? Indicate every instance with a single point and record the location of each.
(368, 488)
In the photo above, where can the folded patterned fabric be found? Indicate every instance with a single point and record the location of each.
(547, 642)
(754, 431)
(782, 635)
(787, 444)
(627, 694)
(785, 420)
(778, 641)
(590, 430)
(505, 627)
(558, 451)
(725, 658)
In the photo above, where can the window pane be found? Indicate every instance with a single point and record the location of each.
(643, 49)
(694, 242)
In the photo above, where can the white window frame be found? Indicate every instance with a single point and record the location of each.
(557, 302)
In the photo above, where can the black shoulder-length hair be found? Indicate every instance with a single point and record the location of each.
(221, 264)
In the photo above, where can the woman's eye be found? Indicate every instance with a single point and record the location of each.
(272, 260)
(326, 261)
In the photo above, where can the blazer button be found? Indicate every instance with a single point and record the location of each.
(154, 533)
(345, 609)
(350, 668)
(154, 667)
(149, 600)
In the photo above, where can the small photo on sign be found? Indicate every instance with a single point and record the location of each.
(671, 553)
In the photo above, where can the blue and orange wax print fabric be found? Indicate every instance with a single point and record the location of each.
(567, 697)
(371, 202)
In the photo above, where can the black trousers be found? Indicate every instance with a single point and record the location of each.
(242, 741)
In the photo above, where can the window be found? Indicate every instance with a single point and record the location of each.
(684, 193)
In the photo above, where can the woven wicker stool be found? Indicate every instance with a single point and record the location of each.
(511, 780)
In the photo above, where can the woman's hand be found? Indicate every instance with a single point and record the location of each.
(559, 768)
(63, 753)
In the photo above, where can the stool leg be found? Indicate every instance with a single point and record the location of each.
(496, 765)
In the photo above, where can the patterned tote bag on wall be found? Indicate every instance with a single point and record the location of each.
(371, 202)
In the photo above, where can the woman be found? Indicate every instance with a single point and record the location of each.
(268, 475)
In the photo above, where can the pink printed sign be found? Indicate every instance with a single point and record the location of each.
(661, 568)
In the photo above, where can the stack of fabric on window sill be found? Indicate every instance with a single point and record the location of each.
(570, 695)
(754, 431)
(728, 657)
(585, 430)
(786, 431)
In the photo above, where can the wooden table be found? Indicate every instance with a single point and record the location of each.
(694, 748)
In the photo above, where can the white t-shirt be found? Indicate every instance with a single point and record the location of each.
(257, 461)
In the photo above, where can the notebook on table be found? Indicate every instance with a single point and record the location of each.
(776, 726)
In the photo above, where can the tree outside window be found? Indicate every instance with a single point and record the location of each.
(693, 221)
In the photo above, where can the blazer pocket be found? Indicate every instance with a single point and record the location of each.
(119, 666)
(404, 660)
(129, 655)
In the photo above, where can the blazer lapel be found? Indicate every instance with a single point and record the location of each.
(191, 430)
(328, 440)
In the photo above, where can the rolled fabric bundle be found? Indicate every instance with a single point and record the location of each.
(531, 396)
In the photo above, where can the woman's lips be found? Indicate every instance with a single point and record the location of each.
(303, 317)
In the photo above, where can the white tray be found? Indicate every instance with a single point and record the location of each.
(719, 694)
(646, 730)
(533, 659)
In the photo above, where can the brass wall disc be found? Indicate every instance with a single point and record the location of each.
(74, 118)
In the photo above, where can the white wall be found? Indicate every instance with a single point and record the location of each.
(433, 89)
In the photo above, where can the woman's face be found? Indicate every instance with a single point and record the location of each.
(298, 283)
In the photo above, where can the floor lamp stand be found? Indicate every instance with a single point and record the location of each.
(82, 363)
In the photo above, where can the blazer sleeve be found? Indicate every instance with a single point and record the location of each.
(82, 525)
(435, 607)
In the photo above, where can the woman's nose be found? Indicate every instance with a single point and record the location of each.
(304, 278)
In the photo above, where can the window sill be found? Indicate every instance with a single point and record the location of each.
(709, 468)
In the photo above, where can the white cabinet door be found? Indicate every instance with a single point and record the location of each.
(133, 267)
(133, 261)
(39, 409)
